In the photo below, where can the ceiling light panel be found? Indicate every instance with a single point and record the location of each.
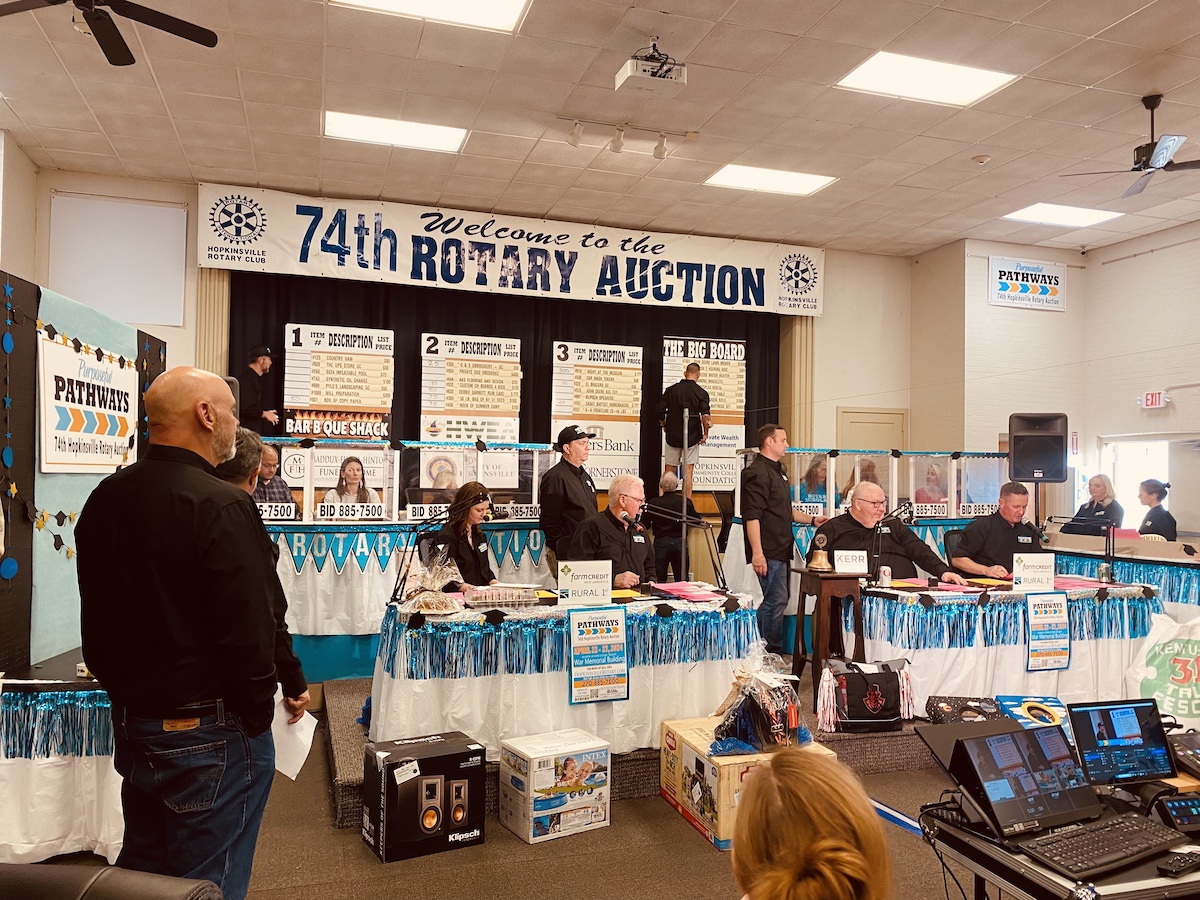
(893, 75)
(397, 132)
(775, 181)
(1066, 216)
(495, 15)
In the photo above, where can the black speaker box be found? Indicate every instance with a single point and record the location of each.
(1037, 447)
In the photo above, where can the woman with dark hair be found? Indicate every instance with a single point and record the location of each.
(812, 487)
(1158, 521)
(464, 539)
(351, 486)
(805, 830)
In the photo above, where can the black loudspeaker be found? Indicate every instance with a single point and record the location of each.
(430, 803)
(1037, 447)
(458, 803)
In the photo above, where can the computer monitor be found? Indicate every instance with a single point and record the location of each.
(1024, 781)
(1121, 741)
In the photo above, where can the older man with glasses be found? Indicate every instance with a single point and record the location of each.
(887, 542)
(617, 534)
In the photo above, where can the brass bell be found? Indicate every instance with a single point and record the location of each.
(820, 562)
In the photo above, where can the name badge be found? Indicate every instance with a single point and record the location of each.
(1098, 513)
(639, 539)
(885, 529)
(482, 548)
(1024, 539)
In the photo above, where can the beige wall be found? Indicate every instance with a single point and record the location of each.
(936, 342)
(861, 354)
(18, 200)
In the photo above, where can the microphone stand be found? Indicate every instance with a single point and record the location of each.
(424, 527)
(1109, 529)
(687, 521)
(687, 495)
(877, 542)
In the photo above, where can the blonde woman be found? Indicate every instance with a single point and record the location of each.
(806, 830)
(1103, 507)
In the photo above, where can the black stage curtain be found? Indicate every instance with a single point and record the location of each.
(261, 305)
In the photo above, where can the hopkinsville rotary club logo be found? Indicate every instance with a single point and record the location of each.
(238, 219)
(797, 274)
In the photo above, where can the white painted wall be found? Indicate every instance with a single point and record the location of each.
(1022, 360)
(181, 342)
(861, 342)
(18, 200)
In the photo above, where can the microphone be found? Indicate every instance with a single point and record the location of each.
(497, 513)
(899, 512)
(634, 522)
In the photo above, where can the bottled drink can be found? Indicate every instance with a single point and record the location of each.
(885, 576)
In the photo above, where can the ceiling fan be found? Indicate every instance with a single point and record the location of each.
(105, 31)
(1152, 157)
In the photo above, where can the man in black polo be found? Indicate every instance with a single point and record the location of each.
(685, 395)
(567, 494)
(182, 622)
(250, 403)
(767, 517)
(987, 545)
(888, 542)
(616, 534)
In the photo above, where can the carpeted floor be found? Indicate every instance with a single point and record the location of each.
(648, 852)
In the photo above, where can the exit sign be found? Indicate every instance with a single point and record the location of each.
(1154, 400)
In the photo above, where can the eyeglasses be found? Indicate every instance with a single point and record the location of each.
(878, 504)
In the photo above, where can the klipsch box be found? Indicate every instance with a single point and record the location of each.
(423, 795)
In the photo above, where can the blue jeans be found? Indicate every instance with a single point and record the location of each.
(775, 599)
(193, 799)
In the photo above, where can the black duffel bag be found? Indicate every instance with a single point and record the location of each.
(858, 698)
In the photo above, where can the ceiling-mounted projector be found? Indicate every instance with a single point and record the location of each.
(652, 76)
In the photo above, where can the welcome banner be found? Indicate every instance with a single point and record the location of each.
(257, 230)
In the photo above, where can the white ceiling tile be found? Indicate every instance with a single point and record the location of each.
(357, 68)
(1156, 26)
(743, 124)
(371, 32)
(352, 151)
(530, 209)
(705, 9)
(690, 171)
(1090, 62)
(526, 92)
(776, 96)
(199, 108)
(540, 58)
(291, 20)
(674, 115)
(1020, 49)
(678, 33)
(611, 182)
(441, 110)
(707, 84)
(497, 146)
(1026, 97)
(49, 116)
(300, 184)
(103, 96)
(283, 119)
(421, 161)
(353, 190)
(476, 186)
(437, 79)
(261, 53)
(541, 173)
(1085, 17)
(631, 163)
(523, 191)
(507, 120)
(741, 49)
(158, 128)
(262, 87)
(556, 154)
(582, 22)
(218, 157)
(847, 107)
(459, 46)
(287, 164)
(363, 101)
(187, 77)
(485, 167)
(946, 35)
(163, 153)
(811, 134)
(209, 134)
(56, 139)
(87, 162)
(973, 125)
(868, 23)
(783, 15)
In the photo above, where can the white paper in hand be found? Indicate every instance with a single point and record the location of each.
(292, 742)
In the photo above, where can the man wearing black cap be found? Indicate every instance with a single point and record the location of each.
(567, 494)
(250, 405)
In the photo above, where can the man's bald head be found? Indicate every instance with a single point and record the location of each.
(868, 503)
(192, 409)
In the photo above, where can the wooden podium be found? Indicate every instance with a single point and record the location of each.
(826, 621)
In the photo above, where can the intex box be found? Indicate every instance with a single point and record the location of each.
(554, 784)
(705, 789)
(423, 795)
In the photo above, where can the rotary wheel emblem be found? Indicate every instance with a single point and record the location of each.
(237, 219)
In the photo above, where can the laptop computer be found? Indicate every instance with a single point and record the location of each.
(1121, 742)
(1036, 799)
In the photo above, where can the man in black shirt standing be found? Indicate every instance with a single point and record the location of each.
(888, 542)
(567, 493)
(250, 402)
(684, 396)
(182, 622)
(987, 545)
(767, 517)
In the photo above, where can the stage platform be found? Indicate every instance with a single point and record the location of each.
(635, 774)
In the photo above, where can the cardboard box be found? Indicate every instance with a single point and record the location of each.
(703, 788)
(423, 795)
(554, 784)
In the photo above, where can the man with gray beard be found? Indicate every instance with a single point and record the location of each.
(177, 587)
